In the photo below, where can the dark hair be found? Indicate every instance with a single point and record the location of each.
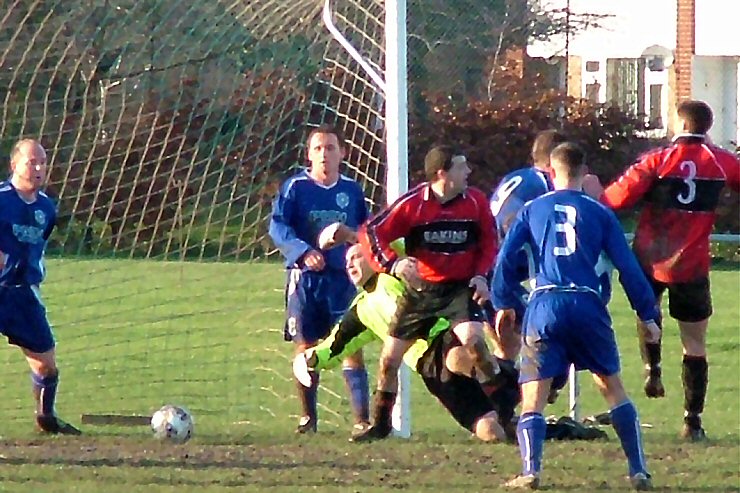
(697, 115)
(439, 158)
(571, 156)
(327, 129)
(543, 145)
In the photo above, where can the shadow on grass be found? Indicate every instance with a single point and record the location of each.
(185, 463)
(713, 489)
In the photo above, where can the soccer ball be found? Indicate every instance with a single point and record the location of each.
(173, 424)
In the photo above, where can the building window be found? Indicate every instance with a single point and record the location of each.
(592, 91)
(656, 105)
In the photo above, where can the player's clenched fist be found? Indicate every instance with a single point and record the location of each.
(653, 331)
(407, 270)
(313, 260)
(481, 294)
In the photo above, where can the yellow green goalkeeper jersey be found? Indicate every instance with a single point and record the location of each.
(367, 320)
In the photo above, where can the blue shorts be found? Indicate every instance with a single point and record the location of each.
(314, 301)
(23, 319)
(561, 329)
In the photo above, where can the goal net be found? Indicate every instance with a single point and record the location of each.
(169, 126)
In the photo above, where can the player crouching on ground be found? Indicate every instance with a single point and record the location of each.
(440, 359)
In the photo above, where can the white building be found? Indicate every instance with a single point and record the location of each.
(715, 63)
(629, 59)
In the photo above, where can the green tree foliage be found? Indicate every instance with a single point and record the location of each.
(170, 124)
(454, 45)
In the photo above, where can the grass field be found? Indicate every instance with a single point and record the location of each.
(134, 335)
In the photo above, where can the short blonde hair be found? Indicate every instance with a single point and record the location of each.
(19, 145)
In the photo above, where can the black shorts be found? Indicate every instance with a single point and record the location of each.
(462, 396)
(418, 311)
(687, 301)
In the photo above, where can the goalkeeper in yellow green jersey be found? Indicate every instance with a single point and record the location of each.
(440, 360)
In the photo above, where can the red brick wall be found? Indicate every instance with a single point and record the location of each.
(685, 47)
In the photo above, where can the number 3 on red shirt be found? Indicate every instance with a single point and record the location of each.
(689, 181)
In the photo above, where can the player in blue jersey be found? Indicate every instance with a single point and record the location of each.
(513, 191)
(525, 184)
(27, 218)
(318, 290)
(566, 321)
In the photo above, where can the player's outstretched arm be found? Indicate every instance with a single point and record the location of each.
(346, 337)
(633, 280)
(630, 187)
(379, 233)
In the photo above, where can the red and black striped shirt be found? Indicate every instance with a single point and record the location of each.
(452, 241)
(681, 186)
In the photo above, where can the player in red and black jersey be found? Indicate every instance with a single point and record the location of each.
(680, 186)
(450, 242)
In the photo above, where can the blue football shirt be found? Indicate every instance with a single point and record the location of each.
(568, 232)
(25, 228)
(516, 189)
(303, 208)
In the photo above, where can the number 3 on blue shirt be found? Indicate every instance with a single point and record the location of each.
(568, 228)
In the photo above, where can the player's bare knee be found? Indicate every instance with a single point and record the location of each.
(393, 351)
(478, 350)
(43, 364)
(469, 338)
(534, 395)
(459, 361)
(45, 369)
(301, 347)
(469, 333)
(488, 428)
(693, 337)
(611, 388)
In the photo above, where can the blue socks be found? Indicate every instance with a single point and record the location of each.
(45, 391)
(530, 430)
(356, 379)
(627, 425)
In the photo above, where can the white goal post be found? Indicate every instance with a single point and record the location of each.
(393, 88)
(396, 138)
